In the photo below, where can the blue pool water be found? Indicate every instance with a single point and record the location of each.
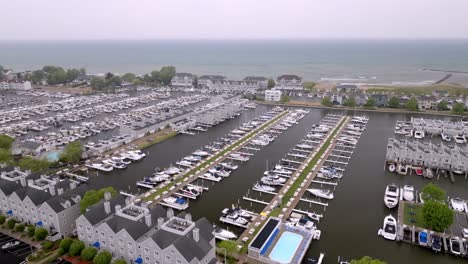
(53, 156)
(286, 247)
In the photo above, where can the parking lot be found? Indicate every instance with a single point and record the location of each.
(16, 253)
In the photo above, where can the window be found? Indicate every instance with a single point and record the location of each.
(130, 244)
(146, 250)
(88, 229)
(111, 245)
(121, 250)
(156, 254)
(120, 241)
(102, 234)
(147, 259)
(168, 258)
(80, 227)
(179, 261)
(130, 254)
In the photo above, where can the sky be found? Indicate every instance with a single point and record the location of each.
(232, 19)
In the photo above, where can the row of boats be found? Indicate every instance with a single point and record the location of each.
(118, 161)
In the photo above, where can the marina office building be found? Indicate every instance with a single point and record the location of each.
(273, 95)
(139, 234)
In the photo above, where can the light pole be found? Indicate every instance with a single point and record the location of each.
(225, 255)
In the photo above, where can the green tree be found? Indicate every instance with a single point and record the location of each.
(350, 102)
(367, 260)
(370, 103)
(437, 216)
(166, 74)
(92, 196)
(11, 223)
(98, 83)
(119, 261)
(394, 102)
(458, 108)
(65, 244)
(38, 76)
(6, 142)
(82, 71)
(433, 192)
(195, 80)
(5, 156)
(103, 257)
(40, 234)
(309, 86)
(88, 253)
(72, 74)
(35, 165)
(20, 228)
(128, 77)
(412, 104)
(2, 219)
(75, 248)
(31, 230)
(271, 83)
(230, 246)
(114, 81)
(326, 101)
(442, 105)
(72, 152)
(284, 98)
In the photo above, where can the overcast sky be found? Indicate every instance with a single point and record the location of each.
(239, 19)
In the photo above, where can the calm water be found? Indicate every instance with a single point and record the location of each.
(359, 61)
(352, 219)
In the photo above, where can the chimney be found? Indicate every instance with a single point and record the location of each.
(128, 201)
(148, 219)
(107, 196)
(60, 191)
(107, 208)
(23, 181)
(188, 217)
(30, 182)
(72, 185)
(52, 189)
(196, 234)
(170, 213)
(160, 222)
(117, 208)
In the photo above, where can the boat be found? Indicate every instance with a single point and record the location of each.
(408, 193)
(314, 216)
(402, 169)
(224, 234)
(11, 244)
(428, 173)
(446, 137)
(185, 163)
(115, 164)
(191, 191)
(265, 188)
(391, 167)
(211, 176)
(418, 134)
(460, 139)
(100, 166)
(193, 158)
(389, 230)
(229, 165)
(455, 246)
(272, 180)
(436, 243)
(326, 194)
(176, 202)
(392, 194)
(419, 171)
(458, 204)
(239, 157)
(304, 146)
(219, 170)
(201, 153)
(135, 155)
(422, 238)
(172, 170)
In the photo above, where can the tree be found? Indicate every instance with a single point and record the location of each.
(195, 80)
(88, 253)
(442, 105)
(433, 192)
(35, 165)
(72, 152)
(103, 257)
(38, 76)
(31, 230)
(166, 74)
(230, 246)
(284, 98)
(20, 228)
(367, 260)
(2, 219)
(6, 142)
(128, 77)
(92, 196)
(40, 234)
(370, 103)
(458, 109)
(309, 86)
(119, 261)
(350, 102)
(437, 216)
(72, 74)
(412, 104)
(65, 244)
(11, 223)
(5, 156)
(394, 102)
(75, 248)
(98, 83)
(271, 83)
(326, 101)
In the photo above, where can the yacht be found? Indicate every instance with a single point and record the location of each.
(176, 202)
(265, 188)
(446, 137)
(160, 177)
(115, 164)
(326, 194)
(392, 194)
(408, 193)
(193, 158)
(422, 238)
(304, 146)
(172, 170)
(229, 165)
(239, 157)
(419, 134)
(282, 171)
(100, 166)
(135, 155)
(460, 139)
(458, 204)
(219, 170)
(192, 191)
(436, 243)
(185, 163)
(389, 230)
(224, 234)
(122, 160)
(211, 176)
(269, 180)
(455, 246)
(201, 153)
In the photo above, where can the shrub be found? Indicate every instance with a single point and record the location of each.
(65, 244)
(11, 223)
(76, 248)
(19, 228)
(103, 257)
(47, 245)
(119, 261)
(2, 219)
(40, 234)
(88, 253)
(31, 230)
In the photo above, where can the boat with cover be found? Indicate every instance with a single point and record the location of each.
(224, 234)
(392, 194)
(326, 194)
(389, 230)
(265, 188)
(229, 165)
(455, 246)
(436, 243)
(273, 180)
(422, 238)
(458, 204)
(408, 193)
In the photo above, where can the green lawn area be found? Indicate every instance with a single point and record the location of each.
(412, 215)
(199, 167)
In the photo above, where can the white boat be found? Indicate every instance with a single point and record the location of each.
(135, 155)
(458, 204)
(304, 146)
(282, 171)
(224, 234)
(229, 165)
(100, 166)
(428, 173)
(392, 194)
(408, 193)
(211, 176)
(172, 170)
(201, 153)
(326, 194)
(265, 188)
(115, 164)
(219, 171)
(402, 169)
(460, 139)
(239, 157)
(391, 167)
(122, 160)
(11, 244)
(193, 158)
(455, 246)
(419, 134)
(268, 180)
(185, 163)
(446, 137)
(389, 230)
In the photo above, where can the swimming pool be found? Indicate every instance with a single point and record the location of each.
(286, 247)
(53, 156)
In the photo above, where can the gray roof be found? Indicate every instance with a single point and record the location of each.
(184, 74)
(211, 77)
(9, 187)
(255, 78)
(37, 197)
(56, 202)
(96, 213)
(289, 77)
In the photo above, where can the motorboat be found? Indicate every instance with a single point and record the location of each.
(391, 167)
(446, 137)
(100, 166)
(160, 177)
(304, 146)
(115, 164)
(211, 176)
(192, 191)
(325, 194)
(193, 158)
(455, 246)
(201, 153)
(135, 155)
(392, 194)
(419, 171)
(282, 171)
(219, 170)
(330, 172)
(265, 188)
(172, 170)
(271, 180)
(11, 244)
(460, 139)
(402, 169)
(389, 230)
(428, 173)
(408, 193)
(224, 234)
(239, 157)
(125, 161)
(419, 134)
(422, 238)
(185, 163)
(229, 165)
(458, 204)
(436, 243)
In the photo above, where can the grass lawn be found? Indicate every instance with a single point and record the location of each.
(412, 215)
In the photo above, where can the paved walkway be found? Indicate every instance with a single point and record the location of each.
(17, 235)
